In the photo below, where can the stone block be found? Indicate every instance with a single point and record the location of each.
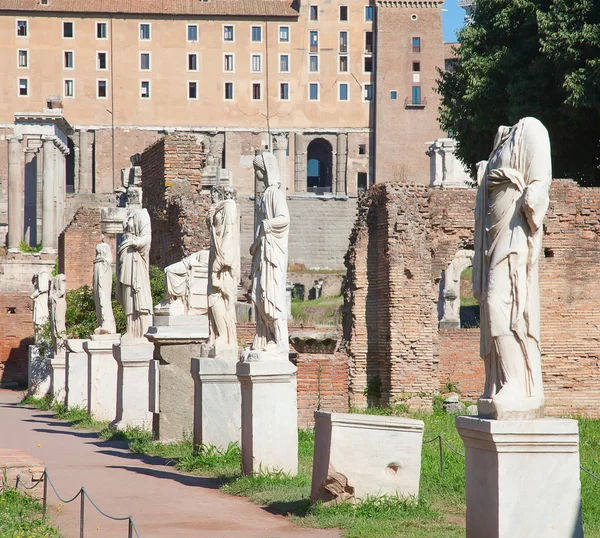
(102, 376)
(217, 401)
(14, 462)
(269, 416)
(77, 375)
(174, 329)
(377, 455)
(38, 378)
(133, 356)
(58, 384)
(522, 477)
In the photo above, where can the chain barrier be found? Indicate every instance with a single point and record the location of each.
(81, 493)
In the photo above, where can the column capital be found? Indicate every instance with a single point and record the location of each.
(280, 141)
(14, 138)
(49, 138)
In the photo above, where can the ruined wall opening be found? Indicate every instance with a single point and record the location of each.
(319, 166)
(70, 167)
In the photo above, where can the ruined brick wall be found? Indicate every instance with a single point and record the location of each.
(174, 198)
(425, 229)
(16, 335)
(77, 247)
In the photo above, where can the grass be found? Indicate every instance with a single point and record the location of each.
(21, 517)
(322, 311)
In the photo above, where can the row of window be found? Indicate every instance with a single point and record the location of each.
(343, 13)
(193, 87)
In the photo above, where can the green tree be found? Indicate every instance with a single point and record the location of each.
(507, 70)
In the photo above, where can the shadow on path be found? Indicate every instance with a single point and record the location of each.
(186, 480)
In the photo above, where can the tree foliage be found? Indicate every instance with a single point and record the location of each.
(520, 58)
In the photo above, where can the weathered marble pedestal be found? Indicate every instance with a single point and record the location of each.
(77, 375)
(217, 400)
(269, 414)
(38, 373)
(522, 477)
(376, 455)
(102, 376)
(133, 356)
(58, 384)
(177, 340)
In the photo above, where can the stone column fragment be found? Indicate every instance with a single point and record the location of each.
(299, 164)
(15, 193)
(342, 156)
(49, 236)
(280, 144)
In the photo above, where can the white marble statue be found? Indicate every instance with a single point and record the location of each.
(58, 310)
(511, 204)
(102, 284)
(270, 259)
(133, 282)
(41, 313)
(223, 268)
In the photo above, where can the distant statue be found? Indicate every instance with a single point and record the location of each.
(223, 268)
(103, 290)
(270, 259)
(41, 313)
(511, 204)
(58, 310)
(133, 282)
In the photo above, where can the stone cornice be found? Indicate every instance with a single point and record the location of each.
(410, 3)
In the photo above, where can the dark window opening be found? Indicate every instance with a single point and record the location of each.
(319, 168)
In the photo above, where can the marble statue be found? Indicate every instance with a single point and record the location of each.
(133, 282)
(223, 268)
(512, 199)
(41, 313)
(270, 259)
(58, 310)
(103, 290)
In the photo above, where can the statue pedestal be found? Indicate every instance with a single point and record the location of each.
(102, 376)
(133, 356)
(58, 384)
(269, 415)
(77, 375)
(217, 400)
(522, 477)
(172, 395)
(38, 373)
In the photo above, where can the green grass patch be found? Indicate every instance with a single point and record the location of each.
(468, 301)
(321, 311)
(21, 517)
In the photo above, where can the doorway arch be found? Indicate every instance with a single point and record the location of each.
(319, 166)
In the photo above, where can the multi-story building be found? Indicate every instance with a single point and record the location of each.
(346, 87)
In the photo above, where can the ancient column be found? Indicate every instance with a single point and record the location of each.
(299, 164)
(280, 144)
(85, 169)
(49, 236)
(30, 195)
(342, 155)
(15, 192)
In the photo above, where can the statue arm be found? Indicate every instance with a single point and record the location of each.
(281, 219)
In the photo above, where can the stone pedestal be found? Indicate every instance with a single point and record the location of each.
(217, 401)
(102, 376)
(522, 477)
(58, 385)
(133, 356)
(269, 415)
(177, 340)
(38, 373)
(77, 375)
(376, 455)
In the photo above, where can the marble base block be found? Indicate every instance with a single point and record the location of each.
(377, 455)
(38, 373)
(269, 416)
(58, 384)
(522, 477)
(176, 328)
(102, 376)
(133, 356)
(77, 375)
(217, 402)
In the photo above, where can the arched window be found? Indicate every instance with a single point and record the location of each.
(319, 166)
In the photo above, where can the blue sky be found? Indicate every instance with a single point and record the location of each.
(453, 18)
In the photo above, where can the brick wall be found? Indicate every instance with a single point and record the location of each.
(174, 198)
(77, 247)
(413, 233)
(16, 335)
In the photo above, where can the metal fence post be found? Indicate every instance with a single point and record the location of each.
(45, 500)
(82, 513)
(130, 533)
(441, 456)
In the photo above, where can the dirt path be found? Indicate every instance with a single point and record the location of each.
(163, 502)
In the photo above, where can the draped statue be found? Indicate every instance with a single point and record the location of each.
(133, 282)
(41, 313)
(270, 259)
(223, 268)
(512, 200)
(102, 284)
(58, 310)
